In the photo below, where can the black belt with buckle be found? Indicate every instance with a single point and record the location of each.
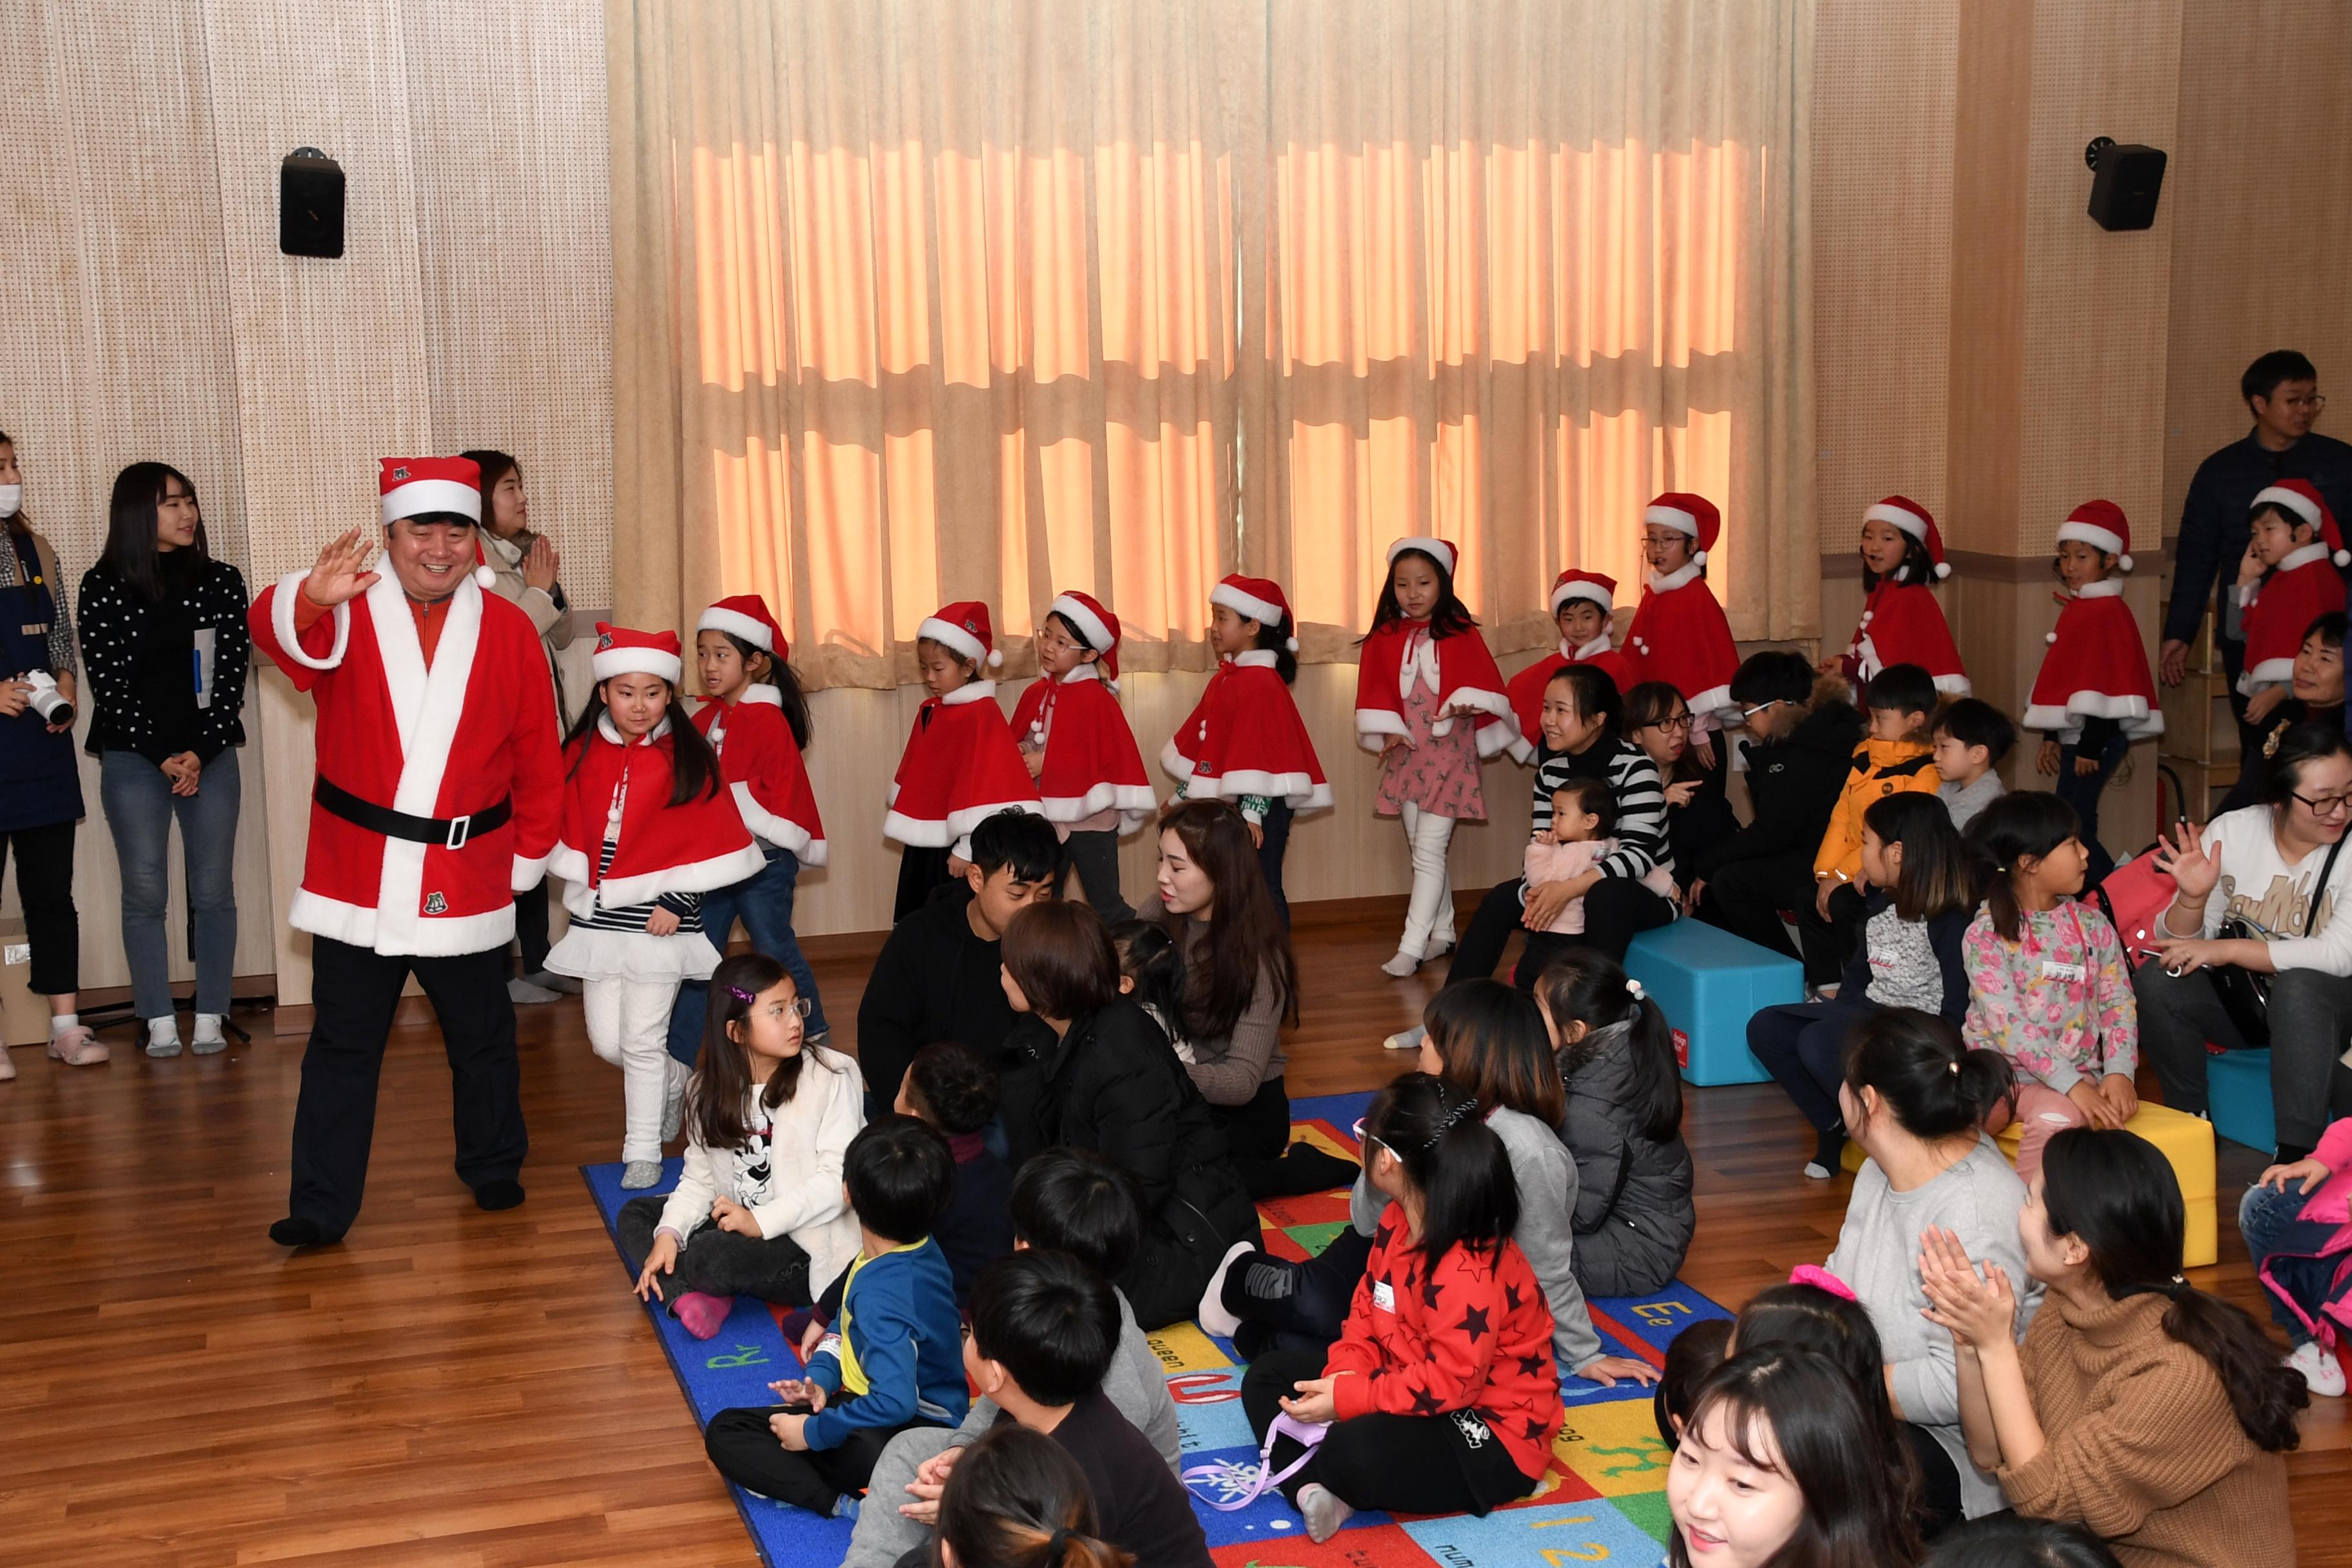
(449, 832)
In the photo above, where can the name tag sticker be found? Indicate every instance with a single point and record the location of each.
(1384, 1295)
(2050, 971)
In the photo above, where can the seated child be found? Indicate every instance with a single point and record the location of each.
(955, 1092)
(893, 1366)
(1022, 1502)
(2293, 1219)
(1583, 814)
(1894, 757)
(1064, 1201)
(1972, 738)
(1695, 1352)
(758, 1210)
(1152, 975)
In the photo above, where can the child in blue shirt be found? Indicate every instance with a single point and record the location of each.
(895, 1359)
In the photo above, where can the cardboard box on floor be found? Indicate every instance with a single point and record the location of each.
(24, 1017)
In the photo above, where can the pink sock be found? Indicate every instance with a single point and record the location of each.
(702, 1313)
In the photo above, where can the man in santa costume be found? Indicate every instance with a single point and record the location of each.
(438, 793)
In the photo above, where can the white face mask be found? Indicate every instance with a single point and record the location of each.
(12, 497)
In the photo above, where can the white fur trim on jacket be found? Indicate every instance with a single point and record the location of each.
(589, 953)
(2133, 714)
(982, 690)
(1714, 703)
(528, 874)
(2269, 672)
(1296, 791)
(1680, 577)
(1134, 803)
(428, 705)
(694, 877)
(1175, 763)
(282, 621)
(780, 831)
(441, 936)
(957, 827)
(1371, 724)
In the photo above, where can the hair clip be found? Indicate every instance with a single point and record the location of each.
(1467, 1105)
(1820, 1280)
(1956, 1070)
(747, 997)
(1634, 989)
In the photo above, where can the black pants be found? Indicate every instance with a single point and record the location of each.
(531, 929)
(1094, 856)
(1181, 1246)
(1939, 1483)
(1274, 841)
(746, 1453)
(355, 992)
(921, 872)
(1616, 911)
(1271, 1165)
(1405, 1464)
(1803, 1045)
(717, 1262)
(1746, 897)
(1286, 1306)
(1826, 944)
(2310, 1014)
(44, 888)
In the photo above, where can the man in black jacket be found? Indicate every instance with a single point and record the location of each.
(1797, 764)
(938, 977)
(2282, 392)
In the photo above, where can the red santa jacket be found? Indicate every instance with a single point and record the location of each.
(1092, 763)
(476, 728)
(1245, 737)
(1679, 637)
(1460, 668)
(1527, 689)
(765, 772)
(660, 847)
(2096, 667)
(960, 768)
(1468, 1331)
(2304, 586)
(1903, 624)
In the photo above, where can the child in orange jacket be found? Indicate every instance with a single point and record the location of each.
(1897, 755)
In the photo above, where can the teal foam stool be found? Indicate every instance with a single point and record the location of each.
(1709, 983)
(2237, 1098)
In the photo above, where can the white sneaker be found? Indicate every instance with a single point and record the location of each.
(209, 1039)
(2321, 1371)
(1400, 967)
(1212, 1314)
(1406, 1039)
(163, 1037)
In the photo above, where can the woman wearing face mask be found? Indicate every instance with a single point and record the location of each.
(40, 789)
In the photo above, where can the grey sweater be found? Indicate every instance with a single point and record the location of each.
(1978, 1198)
(1964, 800)
(1546, 1174)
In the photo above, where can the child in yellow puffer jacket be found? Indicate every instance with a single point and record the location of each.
(1897, 756)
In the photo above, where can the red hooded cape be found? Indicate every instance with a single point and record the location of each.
(2096, 667)
(961, 767)
(1467, 682)
(765, 772)
(1092, 763)
(1245, 737)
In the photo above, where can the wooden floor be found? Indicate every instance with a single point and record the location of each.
(450, 1387)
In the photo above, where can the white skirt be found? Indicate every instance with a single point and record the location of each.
(588, 954)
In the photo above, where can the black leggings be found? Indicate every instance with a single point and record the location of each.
(717, 1262)
(1939, 1482)
(747, 1452)
(1286, 1306)
(45, 857)
(1615, 912)
(1404, 1464)
(1269, 1165)
(921, 872)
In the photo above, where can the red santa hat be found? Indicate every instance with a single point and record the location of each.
(1592, 586)
(2300, 498)
(1096, 627)
(963, 627)
(414, 487)
(2101, 524)
(1907, 516)
(746, 615)
(1441, 551)
(1259, 598)
(1690, 514)
(620, 651)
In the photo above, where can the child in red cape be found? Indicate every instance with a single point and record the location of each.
(1076, 740)
(1581, 606)
(1902, 560)
(961, 764)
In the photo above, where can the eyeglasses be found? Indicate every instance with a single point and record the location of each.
(2327, 805)
(2317, 403)
(1747, 713)
(802, 1006)
(1672, 721)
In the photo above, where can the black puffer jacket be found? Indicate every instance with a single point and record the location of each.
(1794, 784)
(1634, 1216)
(1113, 1086)
(937, 979)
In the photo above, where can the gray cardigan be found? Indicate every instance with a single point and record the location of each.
(1546, 1174)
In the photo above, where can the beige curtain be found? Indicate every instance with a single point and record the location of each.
(928, 300)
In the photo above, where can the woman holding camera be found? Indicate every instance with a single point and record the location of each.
(163, 628)
(40, 787)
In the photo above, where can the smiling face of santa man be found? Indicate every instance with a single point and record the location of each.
(430, 555)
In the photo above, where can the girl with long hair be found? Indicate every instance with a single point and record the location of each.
(1902, 562)
(2156, 1414)
(961, 765)
(1016, 1500)
(647, 828)
(758, 1210)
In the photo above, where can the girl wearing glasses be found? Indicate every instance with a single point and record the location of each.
(1679, 635)
(1902, 560)
(2276, 874)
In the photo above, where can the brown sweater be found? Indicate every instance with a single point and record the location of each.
(2142, 1446)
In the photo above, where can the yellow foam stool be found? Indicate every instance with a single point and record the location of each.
(2187, 1143)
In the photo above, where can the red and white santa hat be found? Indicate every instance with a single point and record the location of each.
(2101, 525)
(2301, 499)
(1694, 515)
(963, 627)
(746, 615)
(1576, 584)
(1094, 623)
(1441, 551)
(620, 651)
(414, 487)
(1259, 598)
(1907, 516)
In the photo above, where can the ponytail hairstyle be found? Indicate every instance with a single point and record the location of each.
(2305, 742)
(1935, 1086)
(1492, 1043)
(2023, 825)
(1449, 617)
(1797, 1412)
(1017, 1500)
(787, 683)
(694, 766)
(722, 1068)
(1581, 986)
(1813, 1317)
(1469, 1197)
(1936, 876)
(1151, 959)
(1917, 565)
(2116, 1194)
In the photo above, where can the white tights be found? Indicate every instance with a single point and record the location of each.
(1429, 917)
(628, 1026)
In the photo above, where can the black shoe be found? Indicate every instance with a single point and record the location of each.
(505, 1194)
(296, 1231)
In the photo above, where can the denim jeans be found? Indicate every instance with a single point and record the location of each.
(139, 808)
(2267, 1217)
(763, 901)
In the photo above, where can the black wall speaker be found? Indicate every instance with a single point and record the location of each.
(310, 204)
(2125, 182)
